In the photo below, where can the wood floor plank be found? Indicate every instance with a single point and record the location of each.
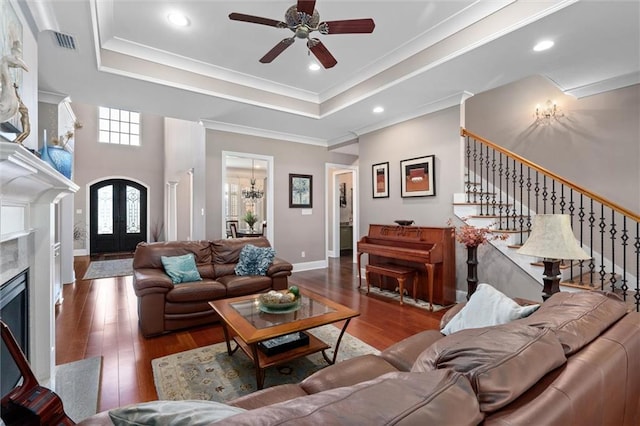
(99, 318)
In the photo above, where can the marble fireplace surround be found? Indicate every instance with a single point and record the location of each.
(29, 190)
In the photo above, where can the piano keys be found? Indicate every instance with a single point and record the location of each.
(430, 251)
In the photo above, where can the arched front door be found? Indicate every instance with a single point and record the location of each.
(118, 215)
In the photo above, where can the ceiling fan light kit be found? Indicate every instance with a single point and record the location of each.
(302, 19)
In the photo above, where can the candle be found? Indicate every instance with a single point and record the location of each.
(44, 138)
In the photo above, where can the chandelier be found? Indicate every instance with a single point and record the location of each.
(252, 193)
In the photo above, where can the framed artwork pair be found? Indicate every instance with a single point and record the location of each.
(417, 178)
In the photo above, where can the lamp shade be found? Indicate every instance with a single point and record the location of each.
(552, 238)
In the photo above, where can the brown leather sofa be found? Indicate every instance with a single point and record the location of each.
(164, 307)
(575, 361)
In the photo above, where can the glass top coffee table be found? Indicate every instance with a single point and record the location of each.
(251, 325)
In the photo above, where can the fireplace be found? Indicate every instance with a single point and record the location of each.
(14, 311)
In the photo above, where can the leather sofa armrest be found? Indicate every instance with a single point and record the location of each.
(280, 267)
(347, 373)
(403, 354)
(150, 280)
(268, 396)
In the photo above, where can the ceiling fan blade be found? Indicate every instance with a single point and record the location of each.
(321, 52)
(256, 20)
(306, 6)
(349, 26)
(277, 49)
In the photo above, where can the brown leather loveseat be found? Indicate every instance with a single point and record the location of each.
(575, 361)
(164, 306)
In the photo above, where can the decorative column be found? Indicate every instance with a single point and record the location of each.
(172, 211)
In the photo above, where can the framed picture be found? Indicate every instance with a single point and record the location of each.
(343, 195)
(418, 177)
(300, 191)
(380, 180)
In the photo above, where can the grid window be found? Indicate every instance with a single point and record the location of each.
(118, 126)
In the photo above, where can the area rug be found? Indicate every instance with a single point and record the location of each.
(209, 373)
(407, 299)
(109, 268)
(78, 385)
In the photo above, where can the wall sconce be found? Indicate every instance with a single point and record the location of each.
(547, 113)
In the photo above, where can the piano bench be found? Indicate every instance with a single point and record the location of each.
(400, 273)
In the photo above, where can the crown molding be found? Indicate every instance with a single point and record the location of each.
(602, 86)
(254, 131)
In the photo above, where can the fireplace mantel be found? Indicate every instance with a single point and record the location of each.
(29, 189)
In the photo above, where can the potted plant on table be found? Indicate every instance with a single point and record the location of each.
(250, 218)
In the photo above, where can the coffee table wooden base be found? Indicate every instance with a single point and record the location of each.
(261, 361)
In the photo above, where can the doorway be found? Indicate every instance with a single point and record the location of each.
(341, 224)
(118, 216)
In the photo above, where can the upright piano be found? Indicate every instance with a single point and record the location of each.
(430, 251)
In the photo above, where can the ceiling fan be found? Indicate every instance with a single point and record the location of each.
(303, 19)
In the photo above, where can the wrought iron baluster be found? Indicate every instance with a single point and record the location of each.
(514, 175)
(500, 204)
(480, 164)
(592, 221)
(637, 246)
(493, 182)
(553, 196)
(536, 190)
(507, 210)
(581, 215)
(602, 225)
(468, 180)
(544, 194)
(475, 175)
(521, 220)
(571, 215)
(562, 201)
(625, 238)
(528, 201)
(613, 233)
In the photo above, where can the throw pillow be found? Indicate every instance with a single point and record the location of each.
(172, 413)
(487, 307)
(181, 269)
(254, 260)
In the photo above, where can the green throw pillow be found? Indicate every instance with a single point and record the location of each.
(254, 260)
(181, 269)
(172, 413)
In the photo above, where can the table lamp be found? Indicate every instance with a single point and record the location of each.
(552, 239)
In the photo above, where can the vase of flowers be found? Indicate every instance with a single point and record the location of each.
(250, 218)
(473, 237)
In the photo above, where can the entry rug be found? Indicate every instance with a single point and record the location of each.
(78, 385)
(109, 268)
(394, 295)
(209, 373)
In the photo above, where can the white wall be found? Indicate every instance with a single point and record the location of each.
(294, 232)
(595, 145)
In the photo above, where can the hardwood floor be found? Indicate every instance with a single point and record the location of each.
(99, 318)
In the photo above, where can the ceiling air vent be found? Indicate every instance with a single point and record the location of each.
(65, 40)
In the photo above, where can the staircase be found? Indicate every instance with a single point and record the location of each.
(504, 191)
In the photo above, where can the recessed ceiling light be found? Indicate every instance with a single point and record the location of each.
(543, 45)
(178, 19)
(378, 109)
(314, 67)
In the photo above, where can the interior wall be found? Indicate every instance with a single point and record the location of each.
(95, 161)
(594, 145)
(432, 134)
(295, 232)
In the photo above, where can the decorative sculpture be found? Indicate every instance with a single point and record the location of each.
(24, 119)
(9, 99)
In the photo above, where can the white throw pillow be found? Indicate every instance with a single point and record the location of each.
(172, 413)
(486, 307)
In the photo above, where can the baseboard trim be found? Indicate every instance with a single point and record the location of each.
(308, 266)
(81, 252)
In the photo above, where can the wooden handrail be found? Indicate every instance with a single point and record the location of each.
(596, 197)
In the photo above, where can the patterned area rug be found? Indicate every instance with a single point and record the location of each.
(77, 384)
(395, 295)
(109, 268)
(208, 373)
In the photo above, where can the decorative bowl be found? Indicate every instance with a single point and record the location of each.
(270, 302)
(403, 222)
